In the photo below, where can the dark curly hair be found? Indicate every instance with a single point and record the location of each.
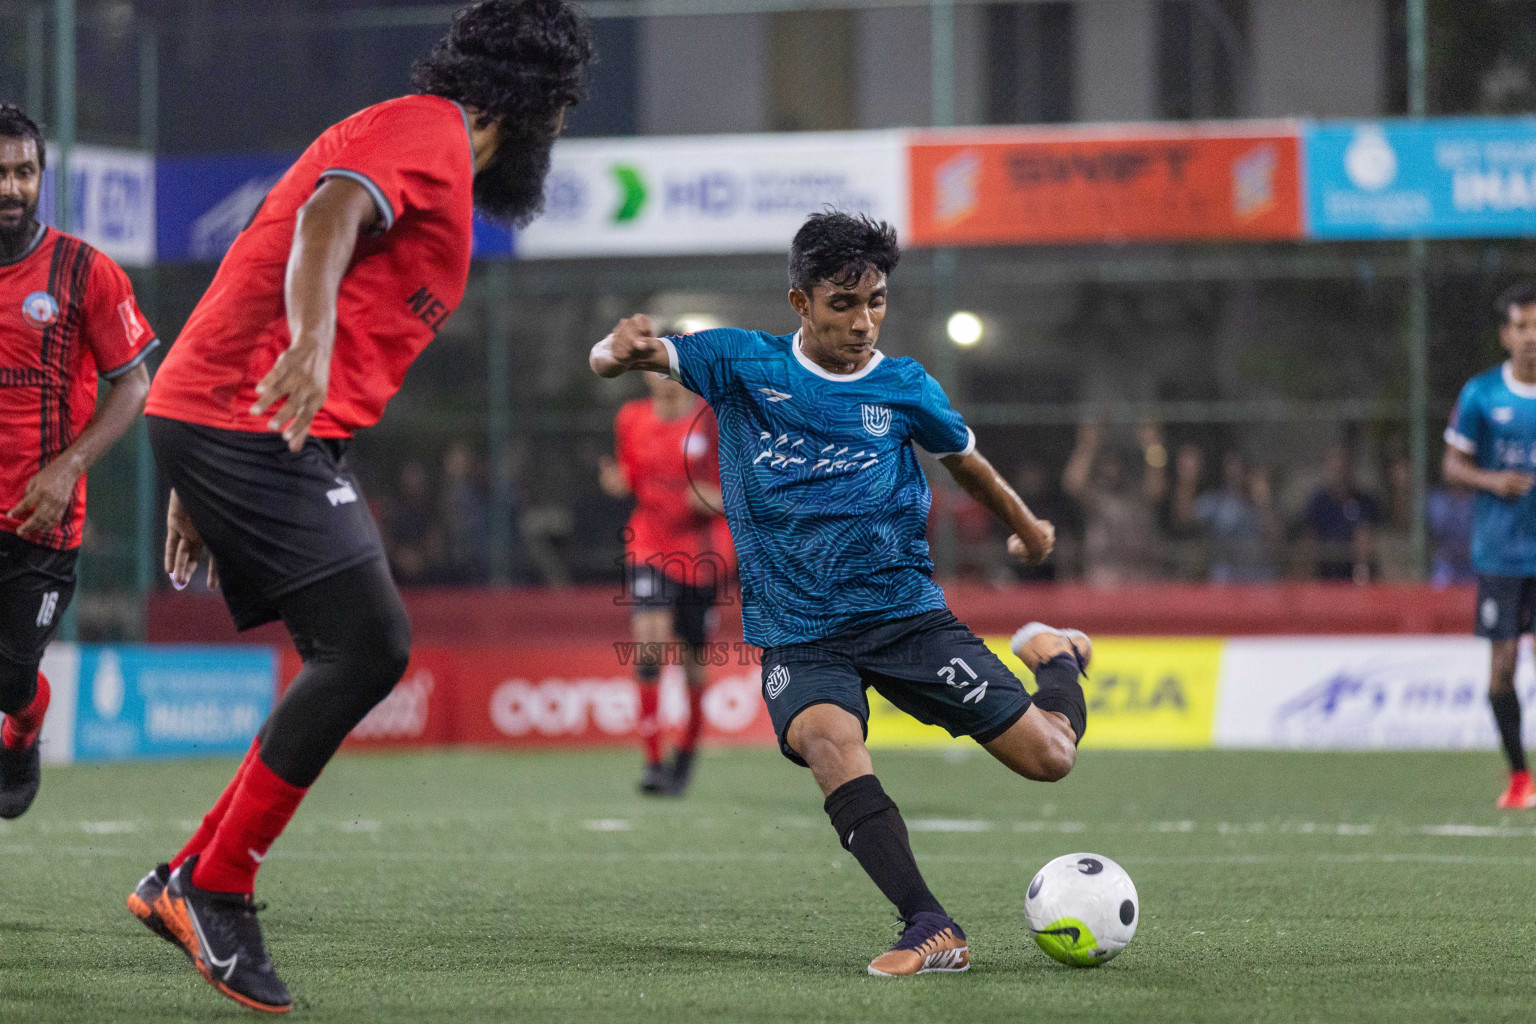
(519, 63)
(15, 124)
(839, 248)
(1522, 293)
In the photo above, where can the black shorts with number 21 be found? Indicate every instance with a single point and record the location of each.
(930, 666)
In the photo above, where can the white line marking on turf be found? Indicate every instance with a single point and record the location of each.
(1050, 826)
(948, 825)
(107, 828)
(607, 825)
(1477, 831)
(360, 825)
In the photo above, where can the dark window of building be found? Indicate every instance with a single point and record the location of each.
(811, 67)
(1202, 58)
(1029, 63)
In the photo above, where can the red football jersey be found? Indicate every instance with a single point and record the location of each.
(413, 155)
(662, 460)
(67, 314)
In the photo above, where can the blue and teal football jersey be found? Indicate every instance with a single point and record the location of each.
(1495, 423)
(826, 501)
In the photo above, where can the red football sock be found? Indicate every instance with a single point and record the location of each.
(650, 722)
(695, 719)
(260, 810)
(205, 831)
(22, 728)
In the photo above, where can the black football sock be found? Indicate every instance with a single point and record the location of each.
(1506, 714)
(870, 828)
(1058, 689)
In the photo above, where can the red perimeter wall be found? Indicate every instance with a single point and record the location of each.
(475, 618)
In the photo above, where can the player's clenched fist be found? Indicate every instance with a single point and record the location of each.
(633, 345)
(1037, 548)
(1510, 483)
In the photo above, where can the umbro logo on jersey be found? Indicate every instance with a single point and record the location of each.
(776, 681)
(343, 495)
(877, 420)
(40, 309)
(775, 396)
(1503, 414)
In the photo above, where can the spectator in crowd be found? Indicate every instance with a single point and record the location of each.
(1120, 535)
(1341, 521)
(1237, 520)
(463, 519)
(412, 539)
(1033, 482)
(1449, 514)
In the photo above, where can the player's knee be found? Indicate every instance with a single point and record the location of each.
(1057, 759)
(395, 650)
(825, 741)
(1501, 675)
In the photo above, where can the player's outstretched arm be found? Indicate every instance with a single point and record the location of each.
(1460, 471)
(324, 238)
(633, 345)
(1032, 539)
(48, 493)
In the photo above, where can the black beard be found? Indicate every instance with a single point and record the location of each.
(14, 240)
(510, 190)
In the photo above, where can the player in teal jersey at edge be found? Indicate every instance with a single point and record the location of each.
(1491, 448)
(828, 508)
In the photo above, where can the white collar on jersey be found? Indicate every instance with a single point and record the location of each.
(841, 378)
(1522, 390)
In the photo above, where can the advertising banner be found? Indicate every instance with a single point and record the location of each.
(1142, 692)
(710, 194)
(1338, 693)
(111, 200)
(555, 696)
(1444, 178)
(113, 703)
(1148, 183)
(205, 201)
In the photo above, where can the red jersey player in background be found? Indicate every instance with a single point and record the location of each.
(354, 261)
(67, 316)
(675, 563)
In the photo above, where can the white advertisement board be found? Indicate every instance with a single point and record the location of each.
(112, 202)
(710, 194)
(1345, 693)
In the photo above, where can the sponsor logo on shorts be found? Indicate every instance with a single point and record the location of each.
(40, 309)
(877, 419)
(342, 494)
(976, 695)
(776, 681)
(1489, 613)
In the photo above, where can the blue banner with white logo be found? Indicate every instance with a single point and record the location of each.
(1446, 178)
(205, 201)
(157, 702)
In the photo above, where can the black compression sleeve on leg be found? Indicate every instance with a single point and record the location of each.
(18, 685)
(1506, 714)
(353, 634)
(1059, 690)
(870, 827)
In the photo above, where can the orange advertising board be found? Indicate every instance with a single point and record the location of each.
(1013, 187)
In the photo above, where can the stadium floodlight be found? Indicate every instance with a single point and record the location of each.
(964, 328)
(693, 323)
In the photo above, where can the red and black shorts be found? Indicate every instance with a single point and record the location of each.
(36, 586)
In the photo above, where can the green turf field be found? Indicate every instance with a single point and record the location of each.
(485, 887)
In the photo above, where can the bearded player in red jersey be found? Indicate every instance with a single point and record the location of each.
(668, 460)
(67, 315)
(354, 261)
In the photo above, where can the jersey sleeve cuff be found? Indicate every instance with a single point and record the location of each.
(386, 211)
(673, 372)
(1460, 442)
(116, 372)
(970, 446)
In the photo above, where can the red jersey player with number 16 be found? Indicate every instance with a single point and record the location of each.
(354, 261)
(67, 316)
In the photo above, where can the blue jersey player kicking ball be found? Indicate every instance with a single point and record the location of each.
(828, 508)
(1491, 449)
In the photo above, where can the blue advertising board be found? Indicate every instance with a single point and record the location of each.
(138, 701)
(205, 201)
(1445, 178)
